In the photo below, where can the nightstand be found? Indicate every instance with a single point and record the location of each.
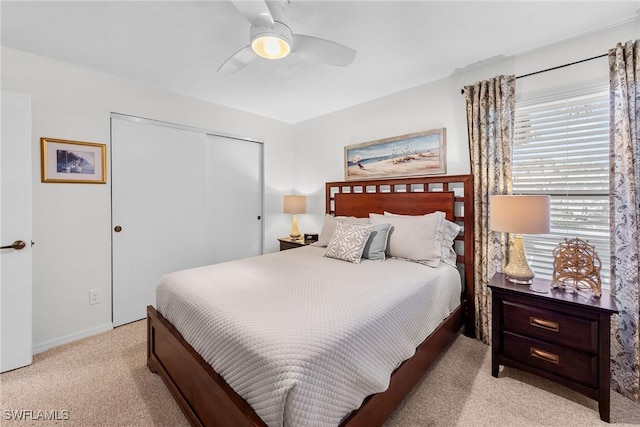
(559, 335)
(289, 243)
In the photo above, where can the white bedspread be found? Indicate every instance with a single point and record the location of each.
(303, 338)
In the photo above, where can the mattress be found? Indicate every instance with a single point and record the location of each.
(304, 338)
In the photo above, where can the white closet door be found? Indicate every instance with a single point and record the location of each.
(16, 347)
(234, 177)
(166, 197)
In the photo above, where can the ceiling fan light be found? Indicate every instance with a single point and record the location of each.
(270, 46)
(271, 41)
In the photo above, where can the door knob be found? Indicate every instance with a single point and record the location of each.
(17, 245)
(117, 229)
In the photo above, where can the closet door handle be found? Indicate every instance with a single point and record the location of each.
(17, 245)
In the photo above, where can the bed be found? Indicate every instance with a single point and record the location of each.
(207, 399)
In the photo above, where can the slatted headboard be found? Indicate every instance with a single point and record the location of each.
(452, 194)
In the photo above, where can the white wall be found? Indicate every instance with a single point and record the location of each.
(72, 222)
(320, 141)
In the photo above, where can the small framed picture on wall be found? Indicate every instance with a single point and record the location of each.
(76, 162)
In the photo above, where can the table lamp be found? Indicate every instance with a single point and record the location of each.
(522, 214)
(295, 205)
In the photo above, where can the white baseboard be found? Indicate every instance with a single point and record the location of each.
(44, 346)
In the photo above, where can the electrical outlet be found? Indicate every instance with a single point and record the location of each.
(95, 297)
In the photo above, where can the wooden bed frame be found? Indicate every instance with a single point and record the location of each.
(207, 400)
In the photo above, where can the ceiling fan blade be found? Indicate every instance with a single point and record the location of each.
(237, 61)
(256, 12)
(323, 50)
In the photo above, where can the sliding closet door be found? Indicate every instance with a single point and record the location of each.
(171, 204)
(234, 168)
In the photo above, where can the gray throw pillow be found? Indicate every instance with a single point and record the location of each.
(377, 243)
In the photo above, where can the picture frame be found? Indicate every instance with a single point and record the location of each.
(72, 162)
(414, 154)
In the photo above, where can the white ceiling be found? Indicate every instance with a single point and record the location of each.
(178, 45)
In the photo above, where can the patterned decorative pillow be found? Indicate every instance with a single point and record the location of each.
(348, 241)
(329, 227)
(414, 238)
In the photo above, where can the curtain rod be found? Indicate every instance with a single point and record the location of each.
(554, 68)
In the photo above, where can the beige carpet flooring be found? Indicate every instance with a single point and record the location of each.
(103, 381)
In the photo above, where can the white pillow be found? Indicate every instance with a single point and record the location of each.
(348, 241)
(414, 238)
(329, 227)
(450, 231)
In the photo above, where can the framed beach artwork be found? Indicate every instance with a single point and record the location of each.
(415, 154)
(73, 161)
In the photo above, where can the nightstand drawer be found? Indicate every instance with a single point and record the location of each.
(288, 245)
(551, 325)
(574, 365)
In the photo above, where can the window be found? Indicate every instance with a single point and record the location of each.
(561, 148)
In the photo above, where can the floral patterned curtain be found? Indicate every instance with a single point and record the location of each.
(490, 123)
(624, 179)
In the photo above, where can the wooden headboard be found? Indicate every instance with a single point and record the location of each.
(452, 194)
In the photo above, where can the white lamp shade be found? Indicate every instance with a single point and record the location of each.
(295, 204)
(521, 214)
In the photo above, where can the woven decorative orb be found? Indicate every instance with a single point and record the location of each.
(576, 266)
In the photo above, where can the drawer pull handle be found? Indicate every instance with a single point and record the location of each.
(544, 355)
(544, 324)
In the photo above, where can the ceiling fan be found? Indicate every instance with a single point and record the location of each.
(272, 38)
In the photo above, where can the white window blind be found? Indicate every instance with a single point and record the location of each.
(561, 148)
